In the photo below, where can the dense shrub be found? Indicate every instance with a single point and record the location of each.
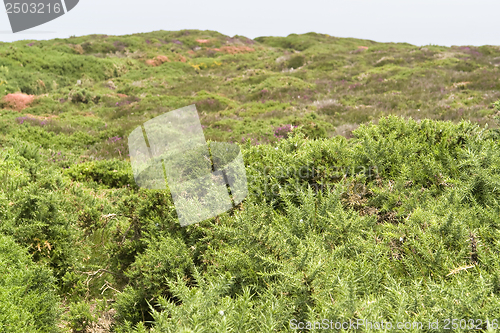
(28, 300)
(148, 275)
(50, 135)
(210, 105)
(40, 217)
(306, 230)
(80, 317)
(110, 173)
(398, 223)
(83, 96)
(295, 62)
(292, 41)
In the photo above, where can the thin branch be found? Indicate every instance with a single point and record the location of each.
(456, 270)
(108, 286)
(100, 270)
(333, 301)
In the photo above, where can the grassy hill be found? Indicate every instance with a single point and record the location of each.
(244, 89)
(373, 168)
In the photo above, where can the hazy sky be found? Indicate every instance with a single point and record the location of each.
(419, 22)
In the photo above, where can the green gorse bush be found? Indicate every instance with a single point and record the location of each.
(373, 196)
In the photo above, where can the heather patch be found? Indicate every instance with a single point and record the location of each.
(282, 132)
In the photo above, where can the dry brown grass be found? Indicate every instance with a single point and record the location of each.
(104, 323)
(78, 48)
(41, 117)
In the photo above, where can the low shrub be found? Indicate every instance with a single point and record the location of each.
(80, 317)
(295, 62)
(84, 96)
(28, 299)
(109, 173)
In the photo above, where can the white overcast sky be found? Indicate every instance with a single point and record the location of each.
(419, 22)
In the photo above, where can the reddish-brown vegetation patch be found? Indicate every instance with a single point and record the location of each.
(360, 49)
(181, 58)
(240, 40)
(157, 61)
(234, 49)
(17, 101)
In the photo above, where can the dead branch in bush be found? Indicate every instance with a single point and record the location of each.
(106, 286)
(456, 270)
(100, 271)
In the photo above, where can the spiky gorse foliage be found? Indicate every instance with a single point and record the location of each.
(399, 223)
(28, 299)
